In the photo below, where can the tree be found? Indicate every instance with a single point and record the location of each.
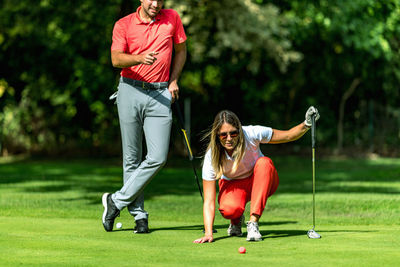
(58, 73)
(351, 51)
(265, 60)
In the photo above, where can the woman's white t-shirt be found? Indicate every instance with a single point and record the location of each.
(254, 136)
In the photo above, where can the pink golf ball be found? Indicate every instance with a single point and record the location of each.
(242, 250)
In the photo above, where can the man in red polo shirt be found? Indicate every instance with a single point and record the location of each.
(142, 45)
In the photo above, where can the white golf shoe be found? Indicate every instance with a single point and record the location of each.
(236, 229)
(253, 234)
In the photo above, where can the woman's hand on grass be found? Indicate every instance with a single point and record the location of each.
(204, 239)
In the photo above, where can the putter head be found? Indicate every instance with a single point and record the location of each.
(312, 234)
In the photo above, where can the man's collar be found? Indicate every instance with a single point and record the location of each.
(138, 19)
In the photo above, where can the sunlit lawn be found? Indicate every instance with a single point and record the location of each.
(50, 214)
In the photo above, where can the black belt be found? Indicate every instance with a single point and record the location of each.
(144, 85)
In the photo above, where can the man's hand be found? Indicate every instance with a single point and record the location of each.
(149, 59)
(173, 88)
(204, 239)
(311, 112)
(121, 59)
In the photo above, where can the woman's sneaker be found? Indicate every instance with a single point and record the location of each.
(236, 229)
(253, 234)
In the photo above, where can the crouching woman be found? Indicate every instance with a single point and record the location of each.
(234, 157)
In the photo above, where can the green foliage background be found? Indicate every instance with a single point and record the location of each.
(265, 60)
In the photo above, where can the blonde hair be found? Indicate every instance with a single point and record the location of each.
(217, 150)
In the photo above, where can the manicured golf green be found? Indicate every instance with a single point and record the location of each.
(50, 214)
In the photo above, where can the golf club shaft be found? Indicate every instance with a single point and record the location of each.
(313, 185)
(187, 144)
(313, 164)
(197, 180)
(191, 158)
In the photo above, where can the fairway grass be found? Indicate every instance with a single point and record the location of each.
(66, 241)
(50, 215)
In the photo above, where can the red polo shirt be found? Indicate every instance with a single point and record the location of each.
(134, 36)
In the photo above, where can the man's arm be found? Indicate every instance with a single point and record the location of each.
(176, 69)
(123, 60)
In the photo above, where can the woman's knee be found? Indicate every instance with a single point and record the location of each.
(264, 162)
(230, 212)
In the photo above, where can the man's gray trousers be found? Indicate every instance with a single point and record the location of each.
(142, 112)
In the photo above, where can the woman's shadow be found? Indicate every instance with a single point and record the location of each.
(266, 233)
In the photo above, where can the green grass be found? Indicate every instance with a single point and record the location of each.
(50, 214)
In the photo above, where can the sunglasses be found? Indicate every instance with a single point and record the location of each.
(224, 135)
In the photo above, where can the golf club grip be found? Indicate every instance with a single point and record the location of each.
(313, 131)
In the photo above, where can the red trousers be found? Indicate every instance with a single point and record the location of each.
(234, 194)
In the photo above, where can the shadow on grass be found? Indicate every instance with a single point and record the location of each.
(281, 233)
(266, 234)
(218, 227)
(221, 228)
(199, 227)
(270, 234)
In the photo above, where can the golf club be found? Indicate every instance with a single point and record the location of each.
(312, 233)
(181, 124)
